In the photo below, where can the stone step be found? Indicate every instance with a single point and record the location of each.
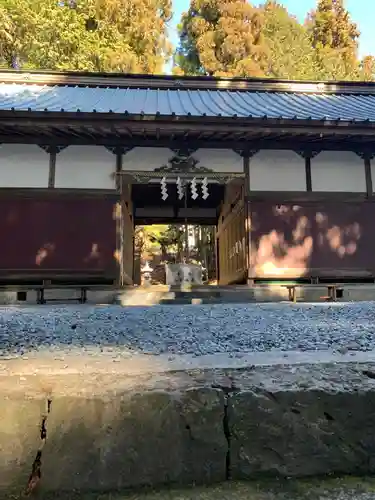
(105, 432)
(162, 294)
(205, 294)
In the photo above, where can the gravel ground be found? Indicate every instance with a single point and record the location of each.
(338, 489)
(197, 330)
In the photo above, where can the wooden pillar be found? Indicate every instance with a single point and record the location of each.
(308, 173)
(246, 155)
(52, 152)
(124, 223)
(52, 167)
(367, 156)
(247, 216)
(308, 155)
(217, 256)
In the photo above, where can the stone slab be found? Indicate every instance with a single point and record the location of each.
(135, 439)
(20, 430)
(109, 431)
(303, 422)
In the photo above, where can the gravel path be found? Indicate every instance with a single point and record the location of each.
(196, 330)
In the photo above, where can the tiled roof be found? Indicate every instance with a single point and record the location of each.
(194, 102)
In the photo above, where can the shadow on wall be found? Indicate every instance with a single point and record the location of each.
(297, 240)
(58, 233)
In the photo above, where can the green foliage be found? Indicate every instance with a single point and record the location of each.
(368, 68)
(91, 35)
(291, 53)
(334, 37)
(233, 38)
(159, 238)
(217, 37)
(222, 38)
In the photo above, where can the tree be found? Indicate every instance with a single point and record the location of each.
(159, 239)
(222, 38)
(368, 68)
(291, 52)
(91, 35)
(335, 39)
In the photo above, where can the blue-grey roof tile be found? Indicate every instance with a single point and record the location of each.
(184, 102)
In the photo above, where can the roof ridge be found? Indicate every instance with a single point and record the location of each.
(172, 82)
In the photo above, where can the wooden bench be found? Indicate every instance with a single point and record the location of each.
(332, 290)
(41, 288)
(82, 299)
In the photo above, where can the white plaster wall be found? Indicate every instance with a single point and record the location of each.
(23, 166)
(219, 160)
(338, 171)
(85, 167)
(222, 160)
(277, 170)
(146, 158)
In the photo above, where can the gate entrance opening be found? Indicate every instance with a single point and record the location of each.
(205, 209)
(159, 247)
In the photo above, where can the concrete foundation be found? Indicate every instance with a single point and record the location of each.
(108, 431)
(163, 294)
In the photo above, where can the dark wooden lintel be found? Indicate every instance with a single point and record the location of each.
(296, 196)
(183, 124)
(246, 152)
(243, 147)
(307, 152)
(42, 193)
(184, 152)
(52, 148)
(119, 150)
(365, 154)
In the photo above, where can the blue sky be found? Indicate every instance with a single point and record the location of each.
(362, 12)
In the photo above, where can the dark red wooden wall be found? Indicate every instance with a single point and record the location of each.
(322, 238)
(68, 233)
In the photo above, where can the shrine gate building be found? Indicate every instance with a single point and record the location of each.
(287, 168)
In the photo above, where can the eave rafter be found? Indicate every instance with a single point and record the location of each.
(184, 134)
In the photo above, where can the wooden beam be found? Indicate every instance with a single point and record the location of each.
(302, 196)
(307, 154)
(367, 155)
(151, 123)
(308, 173)
(247, 212)
(368, 174)
(179, 144)
(119, 157)
(52, 167)
(46, 193)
